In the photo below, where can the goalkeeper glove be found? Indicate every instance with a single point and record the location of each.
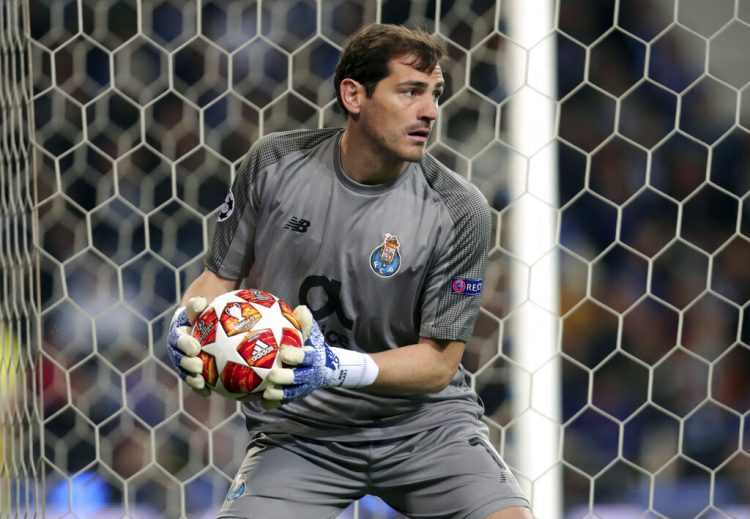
(183, 348)
(317, 365)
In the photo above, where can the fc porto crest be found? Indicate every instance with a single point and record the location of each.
(386, 259)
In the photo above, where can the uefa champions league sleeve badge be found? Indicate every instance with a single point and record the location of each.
(386, 259)
(227, 207)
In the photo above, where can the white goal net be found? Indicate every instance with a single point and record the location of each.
(611, 139)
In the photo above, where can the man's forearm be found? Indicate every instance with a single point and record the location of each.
(208, 285)
(425, 367)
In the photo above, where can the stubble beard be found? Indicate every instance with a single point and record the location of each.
(389, 149)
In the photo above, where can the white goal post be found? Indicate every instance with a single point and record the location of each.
(534, 286)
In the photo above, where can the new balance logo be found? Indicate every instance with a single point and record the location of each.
(297, 224)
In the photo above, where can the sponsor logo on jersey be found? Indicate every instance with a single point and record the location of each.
(333, 337)
(299, 225)
(323, 308)
(239, 485)
(385, 260)
(466, 286)
(227, 207)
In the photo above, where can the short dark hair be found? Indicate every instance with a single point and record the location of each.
(366, 57)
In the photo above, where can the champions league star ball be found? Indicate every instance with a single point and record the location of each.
(240, 333)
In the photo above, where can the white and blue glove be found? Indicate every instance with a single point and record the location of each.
(317, 365)
(183, 348)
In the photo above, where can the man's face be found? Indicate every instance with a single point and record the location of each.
(398, 118)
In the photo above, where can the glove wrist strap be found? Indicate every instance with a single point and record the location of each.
(355, 369)
(179, 318)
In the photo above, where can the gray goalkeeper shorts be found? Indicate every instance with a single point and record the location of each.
(448, 472)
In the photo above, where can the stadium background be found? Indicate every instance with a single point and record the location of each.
(141, 111)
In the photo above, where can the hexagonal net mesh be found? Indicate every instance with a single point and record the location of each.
(141, 112)
(19, 338)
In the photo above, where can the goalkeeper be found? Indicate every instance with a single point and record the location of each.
(384, 249)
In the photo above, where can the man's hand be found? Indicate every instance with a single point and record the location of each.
(183, 348)
(317, 365)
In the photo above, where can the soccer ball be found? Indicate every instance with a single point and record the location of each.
(240, 333)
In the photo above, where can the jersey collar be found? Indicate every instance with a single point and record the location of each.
(366, 189)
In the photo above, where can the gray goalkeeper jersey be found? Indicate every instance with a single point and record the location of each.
(378, 265)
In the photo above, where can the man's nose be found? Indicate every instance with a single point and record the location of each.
(429, 110)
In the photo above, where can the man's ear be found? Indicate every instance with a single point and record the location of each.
(352, 93)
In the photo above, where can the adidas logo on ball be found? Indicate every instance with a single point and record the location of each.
(261, 350)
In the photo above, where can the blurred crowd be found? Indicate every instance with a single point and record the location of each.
(664, 230)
